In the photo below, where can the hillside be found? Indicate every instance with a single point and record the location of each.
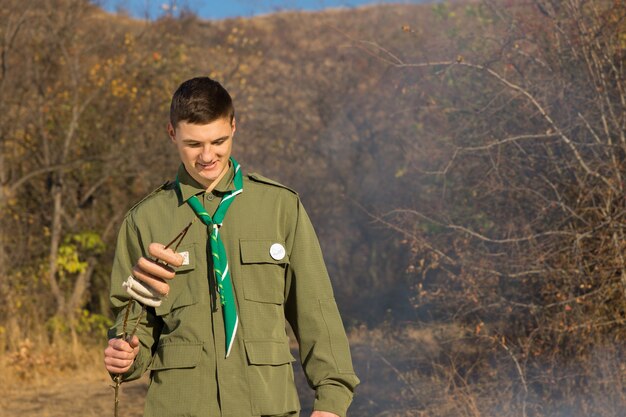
(462, 163)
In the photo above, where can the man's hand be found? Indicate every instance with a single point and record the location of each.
(323, 414)
(120, 355)
(147, 284)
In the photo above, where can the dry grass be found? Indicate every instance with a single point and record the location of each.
(406, 371)
(58, 380)
(37, 364)
(446, 371)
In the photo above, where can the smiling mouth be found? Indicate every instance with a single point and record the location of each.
(207, 166)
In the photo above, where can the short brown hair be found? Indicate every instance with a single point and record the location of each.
(200, 100)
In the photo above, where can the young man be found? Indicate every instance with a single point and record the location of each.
(213, 331)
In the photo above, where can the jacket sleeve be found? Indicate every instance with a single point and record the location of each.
(128, 251)
(312, 312)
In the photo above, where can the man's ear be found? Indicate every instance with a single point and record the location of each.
(171, 132)
(233, 125)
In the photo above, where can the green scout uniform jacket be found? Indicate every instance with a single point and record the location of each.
(182, 340)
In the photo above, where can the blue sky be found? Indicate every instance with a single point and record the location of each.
(216, 9)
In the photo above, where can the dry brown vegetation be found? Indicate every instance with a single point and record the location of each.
(463, 164)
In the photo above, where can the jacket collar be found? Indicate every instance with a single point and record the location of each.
(190, 187)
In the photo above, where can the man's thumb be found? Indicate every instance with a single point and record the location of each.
(134, 342)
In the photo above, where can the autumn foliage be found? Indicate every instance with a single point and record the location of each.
(463, 164)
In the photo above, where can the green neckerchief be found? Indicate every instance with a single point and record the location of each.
(218, 252)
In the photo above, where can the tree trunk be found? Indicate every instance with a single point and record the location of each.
(55, 241)
(73, 305)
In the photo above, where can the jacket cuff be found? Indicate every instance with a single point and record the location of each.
(332, 399)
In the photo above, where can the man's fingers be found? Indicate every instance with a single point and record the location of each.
(116, 368)
(117, 365)
(118, 345)
(158, 284)
(153, 268)
(166, 255)
(119, 358)
(120, 355)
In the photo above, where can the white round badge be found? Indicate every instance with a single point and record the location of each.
(277, 251)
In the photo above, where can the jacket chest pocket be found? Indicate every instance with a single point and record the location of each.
(263, 264)
(185, 289)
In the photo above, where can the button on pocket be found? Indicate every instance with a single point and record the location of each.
(263, 276)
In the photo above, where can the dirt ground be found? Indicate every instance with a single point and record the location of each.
(89, 393)
(84, 394)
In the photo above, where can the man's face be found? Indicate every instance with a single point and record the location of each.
(204, 149)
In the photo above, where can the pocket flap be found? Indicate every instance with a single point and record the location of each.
(268, 352)
(257, 251)
(176, 355)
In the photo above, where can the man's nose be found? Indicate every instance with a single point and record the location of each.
(207, 153)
